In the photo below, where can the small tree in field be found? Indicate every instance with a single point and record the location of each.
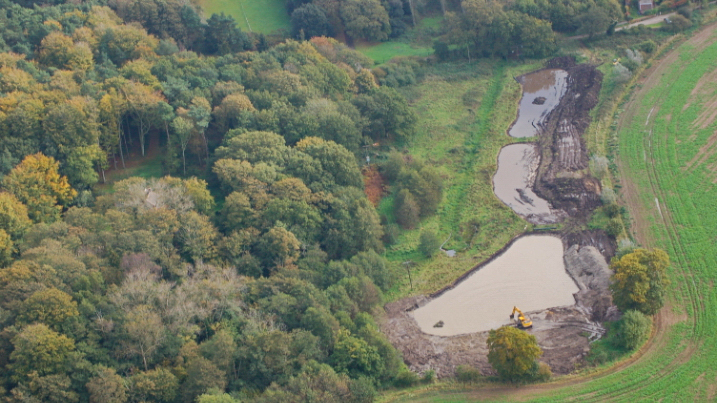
(513, 353)
(429, 243)
(640, 280)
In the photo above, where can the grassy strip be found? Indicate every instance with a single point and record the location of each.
(264, 16)
(385, 51)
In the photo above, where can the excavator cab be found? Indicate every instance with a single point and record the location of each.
(522, 321)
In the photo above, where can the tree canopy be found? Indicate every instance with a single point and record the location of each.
(639, 280)
(513, 353)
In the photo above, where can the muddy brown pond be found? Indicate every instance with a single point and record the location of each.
(513, 184)
(542, 91)
(530, 274)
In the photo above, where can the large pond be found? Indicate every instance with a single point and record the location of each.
(530, 274)
(513, 183)
(542, 91)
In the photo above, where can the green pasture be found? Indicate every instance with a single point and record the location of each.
(385, 51)
(668, 147)
(264, 16)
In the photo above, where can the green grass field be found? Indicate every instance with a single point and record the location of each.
(385, 51)
(668, 150)
(264, 16)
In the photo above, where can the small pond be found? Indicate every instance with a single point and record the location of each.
(513, 183)
(530, 274)
(542, 91)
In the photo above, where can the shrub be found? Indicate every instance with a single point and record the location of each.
(390, 234)
(608, 196)
(611, 210)
(678, 23)
(429, 376)
(405, 379)
(629, 64)
(542, 372)
(599, 165)
(468, 374)
(614, 227)
(429, 243)
(634, 55)
(624, 247)
(622, 74)
(632, 330)
(685, 11)
(648, 46)
(406, 209)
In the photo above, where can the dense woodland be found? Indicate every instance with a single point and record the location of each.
(252, 271)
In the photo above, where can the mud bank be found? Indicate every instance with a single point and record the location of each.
(562, 177)
(513, 184)
(519, 276)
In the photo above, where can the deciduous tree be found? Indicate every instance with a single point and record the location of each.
(365, 19)
(40, 350)
(37, 183)
(513, 353)
(640, 280)
(107, 387)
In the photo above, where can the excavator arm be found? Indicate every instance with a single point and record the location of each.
(523, 321)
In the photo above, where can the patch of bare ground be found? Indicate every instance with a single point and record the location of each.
(711, 390)
(708, 114)
(704, 153)
(559, 332)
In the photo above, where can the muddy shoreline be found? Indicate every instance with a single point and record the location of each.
(561, 179)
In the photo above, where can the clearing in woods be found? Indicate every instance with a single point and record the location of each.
(665, 138)
(263, 16)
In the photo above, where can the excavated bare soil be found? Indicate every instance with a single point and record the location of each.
(562, 179)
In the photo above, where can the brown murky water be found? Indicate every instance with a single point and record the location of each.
(513, 183)
(550, 84)
(530, 275)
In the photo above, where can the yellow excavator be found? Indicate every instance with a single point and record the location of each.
(523, 321)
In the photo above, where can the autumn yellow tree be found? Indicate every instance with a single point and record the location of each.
(513, 353)
(37, 183)
(640, 280)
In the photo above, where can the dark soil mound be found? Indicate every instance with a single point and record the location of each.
(561, 176)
